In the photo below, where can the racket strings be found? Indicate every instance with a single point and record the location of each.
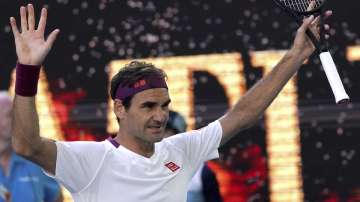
(302, 5)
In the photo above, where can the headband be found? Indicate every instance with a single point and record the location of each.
(145, 83)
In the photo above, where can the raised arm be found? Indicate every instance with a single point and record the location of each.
(31, 50)
(253, 104)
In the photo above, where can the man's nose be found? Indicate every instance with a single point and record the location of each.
(160, 115)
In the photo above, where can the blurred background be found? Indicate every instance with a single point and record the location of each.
(305, 147)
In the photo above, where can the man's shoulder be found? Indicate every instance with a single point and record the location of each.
(82, 143)
(213, 126)
(90, 147)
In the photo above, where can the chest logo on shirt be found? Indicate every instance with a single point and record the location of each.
(172, 166)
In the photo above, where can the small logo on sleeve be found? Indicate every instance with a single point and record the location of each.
(172, 166)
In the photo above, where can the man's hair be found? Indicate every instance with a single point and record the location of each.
(130, 74)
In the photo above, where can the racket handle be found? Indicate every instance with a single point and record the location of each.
(333, 78)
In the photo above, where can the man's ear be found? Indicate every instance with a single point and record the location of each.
(119, 109)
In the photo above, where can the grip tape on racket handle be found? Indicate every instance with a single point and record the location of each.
(333, 78)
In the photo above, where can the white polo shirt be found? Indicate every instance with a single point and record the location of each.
(100, 172)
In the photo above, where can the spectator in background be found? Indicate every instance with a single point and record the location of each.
(204, 186)
(20, 180)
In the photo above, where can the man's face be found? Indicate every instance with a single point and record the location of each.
(5, 118)
(147, 115)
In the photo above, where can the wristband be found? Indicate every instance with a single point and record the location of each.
(27, 77)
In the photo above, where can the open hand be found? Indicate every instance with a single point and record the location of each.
(31, 46)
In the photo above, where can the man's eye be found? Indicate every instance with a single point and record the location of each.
(149, 106)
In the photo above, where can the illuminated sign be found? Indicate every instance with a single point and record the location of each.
(282, 124)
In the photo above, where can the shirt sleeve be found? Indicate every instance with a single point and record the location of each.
(199, 145)
(77, 163)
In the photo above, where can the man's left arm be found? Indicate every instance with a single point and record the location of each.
(253, 104)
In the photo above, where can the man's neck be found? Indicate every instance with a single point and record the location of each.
(135, 144)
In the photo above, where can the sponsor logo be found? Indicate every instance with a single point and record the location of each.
(172, 166)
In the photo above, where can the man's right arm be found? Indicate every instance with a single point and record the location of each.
(26, 138)
(31, 50)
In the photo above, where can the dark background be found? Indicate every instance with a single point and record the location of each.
(95, 32)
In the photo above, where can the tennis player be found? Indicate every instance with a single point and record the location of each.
(138, 164)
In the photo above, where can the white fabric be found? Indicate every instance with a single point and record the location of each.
(99, 172)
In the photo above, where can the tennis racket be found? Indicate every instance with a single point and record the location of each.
(298, 9)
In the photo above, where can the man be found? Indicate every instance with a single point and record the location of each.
(20, 180)
(138, 164)
(204, 186)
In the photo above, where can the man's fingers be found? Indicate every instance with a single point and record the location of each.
(306, 23)
(315, 27)
(14, 28)
(42, 21)
(316, 21)
(51, 38)
(23, 19)
(31, 17)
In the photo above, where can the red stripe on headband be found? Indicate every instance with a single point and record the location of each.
(143, 84)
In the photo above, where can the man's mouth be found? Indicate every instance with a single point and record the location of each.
(156, 128)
